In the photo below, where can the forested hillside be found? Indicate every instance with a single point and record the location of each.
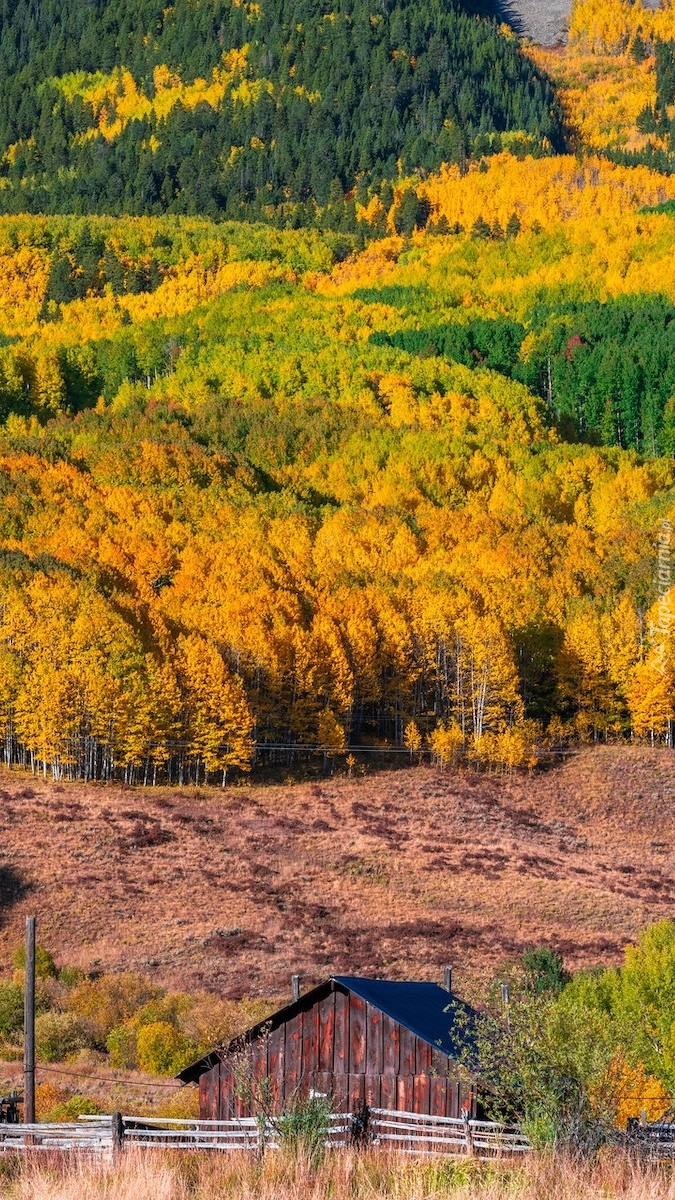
(258, 491)
(245, 107)
(395, 479)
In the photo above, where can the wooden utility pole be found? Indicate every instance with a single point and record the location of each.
(29, 1027)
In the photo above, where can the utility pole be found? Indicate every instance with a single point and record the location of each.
(29, 1027)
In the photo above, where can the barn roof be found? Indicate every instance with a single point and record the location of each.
(427, 1010)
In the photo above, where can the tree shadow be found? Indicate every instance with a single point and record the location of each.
(13, 887)
(508, 13)
(500, 10)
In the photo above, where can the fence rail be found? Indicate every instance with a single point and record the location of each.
(94, 1137)
(416, 1133)
(655, 1142)
(406, 1132)
(410, 1133)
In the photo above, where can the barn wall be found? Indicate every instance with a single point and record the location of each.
(343, 1047)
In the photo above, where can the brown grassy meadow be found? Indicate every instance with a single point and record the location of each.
(392, 874)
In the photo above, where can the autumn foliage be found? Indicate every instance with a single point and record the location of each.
(278, 531)
(270, 489)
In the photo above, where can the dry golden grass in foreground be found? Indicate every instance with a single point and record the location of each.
(373, 1175)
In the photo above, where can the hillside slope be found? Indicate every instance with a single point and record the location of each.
(236, 108)
(391, 875)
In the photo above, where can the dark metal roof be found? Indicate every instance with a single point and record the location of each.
(436, 1016)
(427, 1010)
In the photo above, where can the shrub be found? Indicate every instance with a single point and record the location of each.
(547, 1061)
(183, 1103)
(545, 969)
(45, 967)
(59, 1034)
(162, 1049)
(47, 1096)
(72, 1108)
(211, 1021)
(304, 1126)
(11, 1008)
(70, 976)
(53, 1103)
(109, 1001)
(121, 1046)
(169, 1008)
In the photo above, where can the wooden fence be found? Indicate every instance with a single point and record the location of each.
(410, 1133)
(94, 1137)
(406, 1132)
(655, 1142)
(415, 1133)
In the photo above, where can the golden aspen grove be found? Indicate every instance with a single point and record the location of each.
(394, 479)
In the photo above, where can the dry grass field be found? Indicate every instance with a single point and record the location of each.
(371, 1175)
(391, 874)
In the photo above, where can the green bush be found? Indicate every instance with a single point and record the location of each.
(304, 1126)
(58, 1035)
(121, 1046)
(162, 1049)
(70, 976)
(45, 967)
(545, 970)
(72, 1108)
(11, 1008)
(169, 1008)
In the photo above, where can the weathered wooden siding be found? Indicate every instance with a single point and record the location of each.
(343, 1047)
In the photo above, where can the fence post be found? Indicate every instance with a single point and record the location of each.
(360, 1126)
(468, 1135)
(29, 1026)
(117, 1122)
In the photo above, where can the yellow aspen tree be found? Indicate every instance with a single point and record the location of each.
(445, 742)
(651, 700)
(516, 746)
(332, 674)
(637, 1092)
(583, 673)
(165, 707)
(606, 26)
(45, 714)
(412, 739)
(331, 736)
(330, 733)
(10, 685)
(217, 721)
(47, 387)
(488, 684)
(484, 750)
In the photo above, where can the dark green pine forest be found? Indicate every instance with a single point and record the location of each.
(606, 371)
(350, 97)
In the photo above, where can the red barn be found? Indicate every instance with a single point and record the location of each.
(360, 1041)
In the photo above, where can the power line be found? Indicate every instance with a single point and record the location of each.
(108, 1079)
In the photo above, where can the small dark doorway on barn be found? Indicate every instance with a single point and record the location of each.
(357, 1041)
